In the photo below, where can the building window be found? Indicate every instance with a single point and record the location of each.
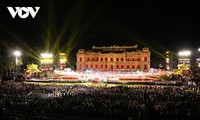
(92, 59)
(80, 59)
(133, 66)
(91, 66)
(111, 59)
(97, 59)
(101, 66)
(133, 59)
(122, 66)
(106, 59)
(96, 66)
(122, 59)
(128, 59)
(128, 66)
(88, 59)
(117, 66)
(111, 66)
(145, 58)
(101, 59)
(138, 66)
(138, 59)
(117, 59)
(145, 66)
(106, 66)
(86, 66)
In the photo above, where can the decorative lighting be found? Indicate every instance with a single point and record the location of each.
(46, 55)
(184, 53)
(17, 54)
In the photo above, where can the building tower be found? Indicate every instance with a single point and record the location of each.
(46, 62)
(62, 61)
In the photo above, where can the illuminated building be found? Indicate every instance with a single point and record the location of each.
(62, 60)
(121, 58)
(183, 67)
(184, 59)
(46, 62)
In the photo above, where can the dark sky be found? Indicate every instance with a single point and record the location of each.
(76, 24)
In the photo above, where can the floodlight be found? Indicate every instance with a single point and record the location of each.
(184, 53)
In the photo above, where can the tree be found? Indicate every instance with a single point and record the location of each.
(7, 61)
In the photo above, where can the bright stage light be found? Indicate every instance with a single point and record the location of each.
(17, 53)
(184, 53)
(46, 55)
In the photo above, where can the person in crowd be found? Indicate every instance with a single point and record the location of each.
(27, 101)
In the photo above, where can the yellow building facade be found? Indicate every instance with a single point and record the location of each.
(122, 58)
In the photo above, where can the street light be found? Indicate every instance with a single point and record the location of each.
(17, 54)
(184, 53)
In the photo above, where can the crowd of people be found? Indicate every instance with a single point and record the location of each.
(21, 101)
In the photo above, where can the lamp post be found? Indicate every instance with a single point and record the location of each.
(17, 55)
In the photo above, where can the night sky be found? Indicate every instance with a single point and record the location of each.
(75, 24)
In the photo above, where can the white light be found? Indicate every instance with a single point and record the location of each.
(46, 55)
(184, 53)
(17, 53)
(88, 71)
(199, 49)
(167, 67)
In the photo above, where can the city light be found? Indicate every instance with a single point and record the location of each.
(46, 55)
(184, 53)
(18, 60)
(46, 58)
(46, 61)
(62, 57)
(199, 49)
(17, 54)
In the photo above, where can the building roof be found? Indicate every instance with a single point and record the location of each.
(115, 49)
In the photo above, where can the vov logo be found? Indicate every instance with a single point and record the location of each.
(23, 12)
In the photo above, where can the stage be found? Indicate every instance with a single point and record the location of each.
(101, 82)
